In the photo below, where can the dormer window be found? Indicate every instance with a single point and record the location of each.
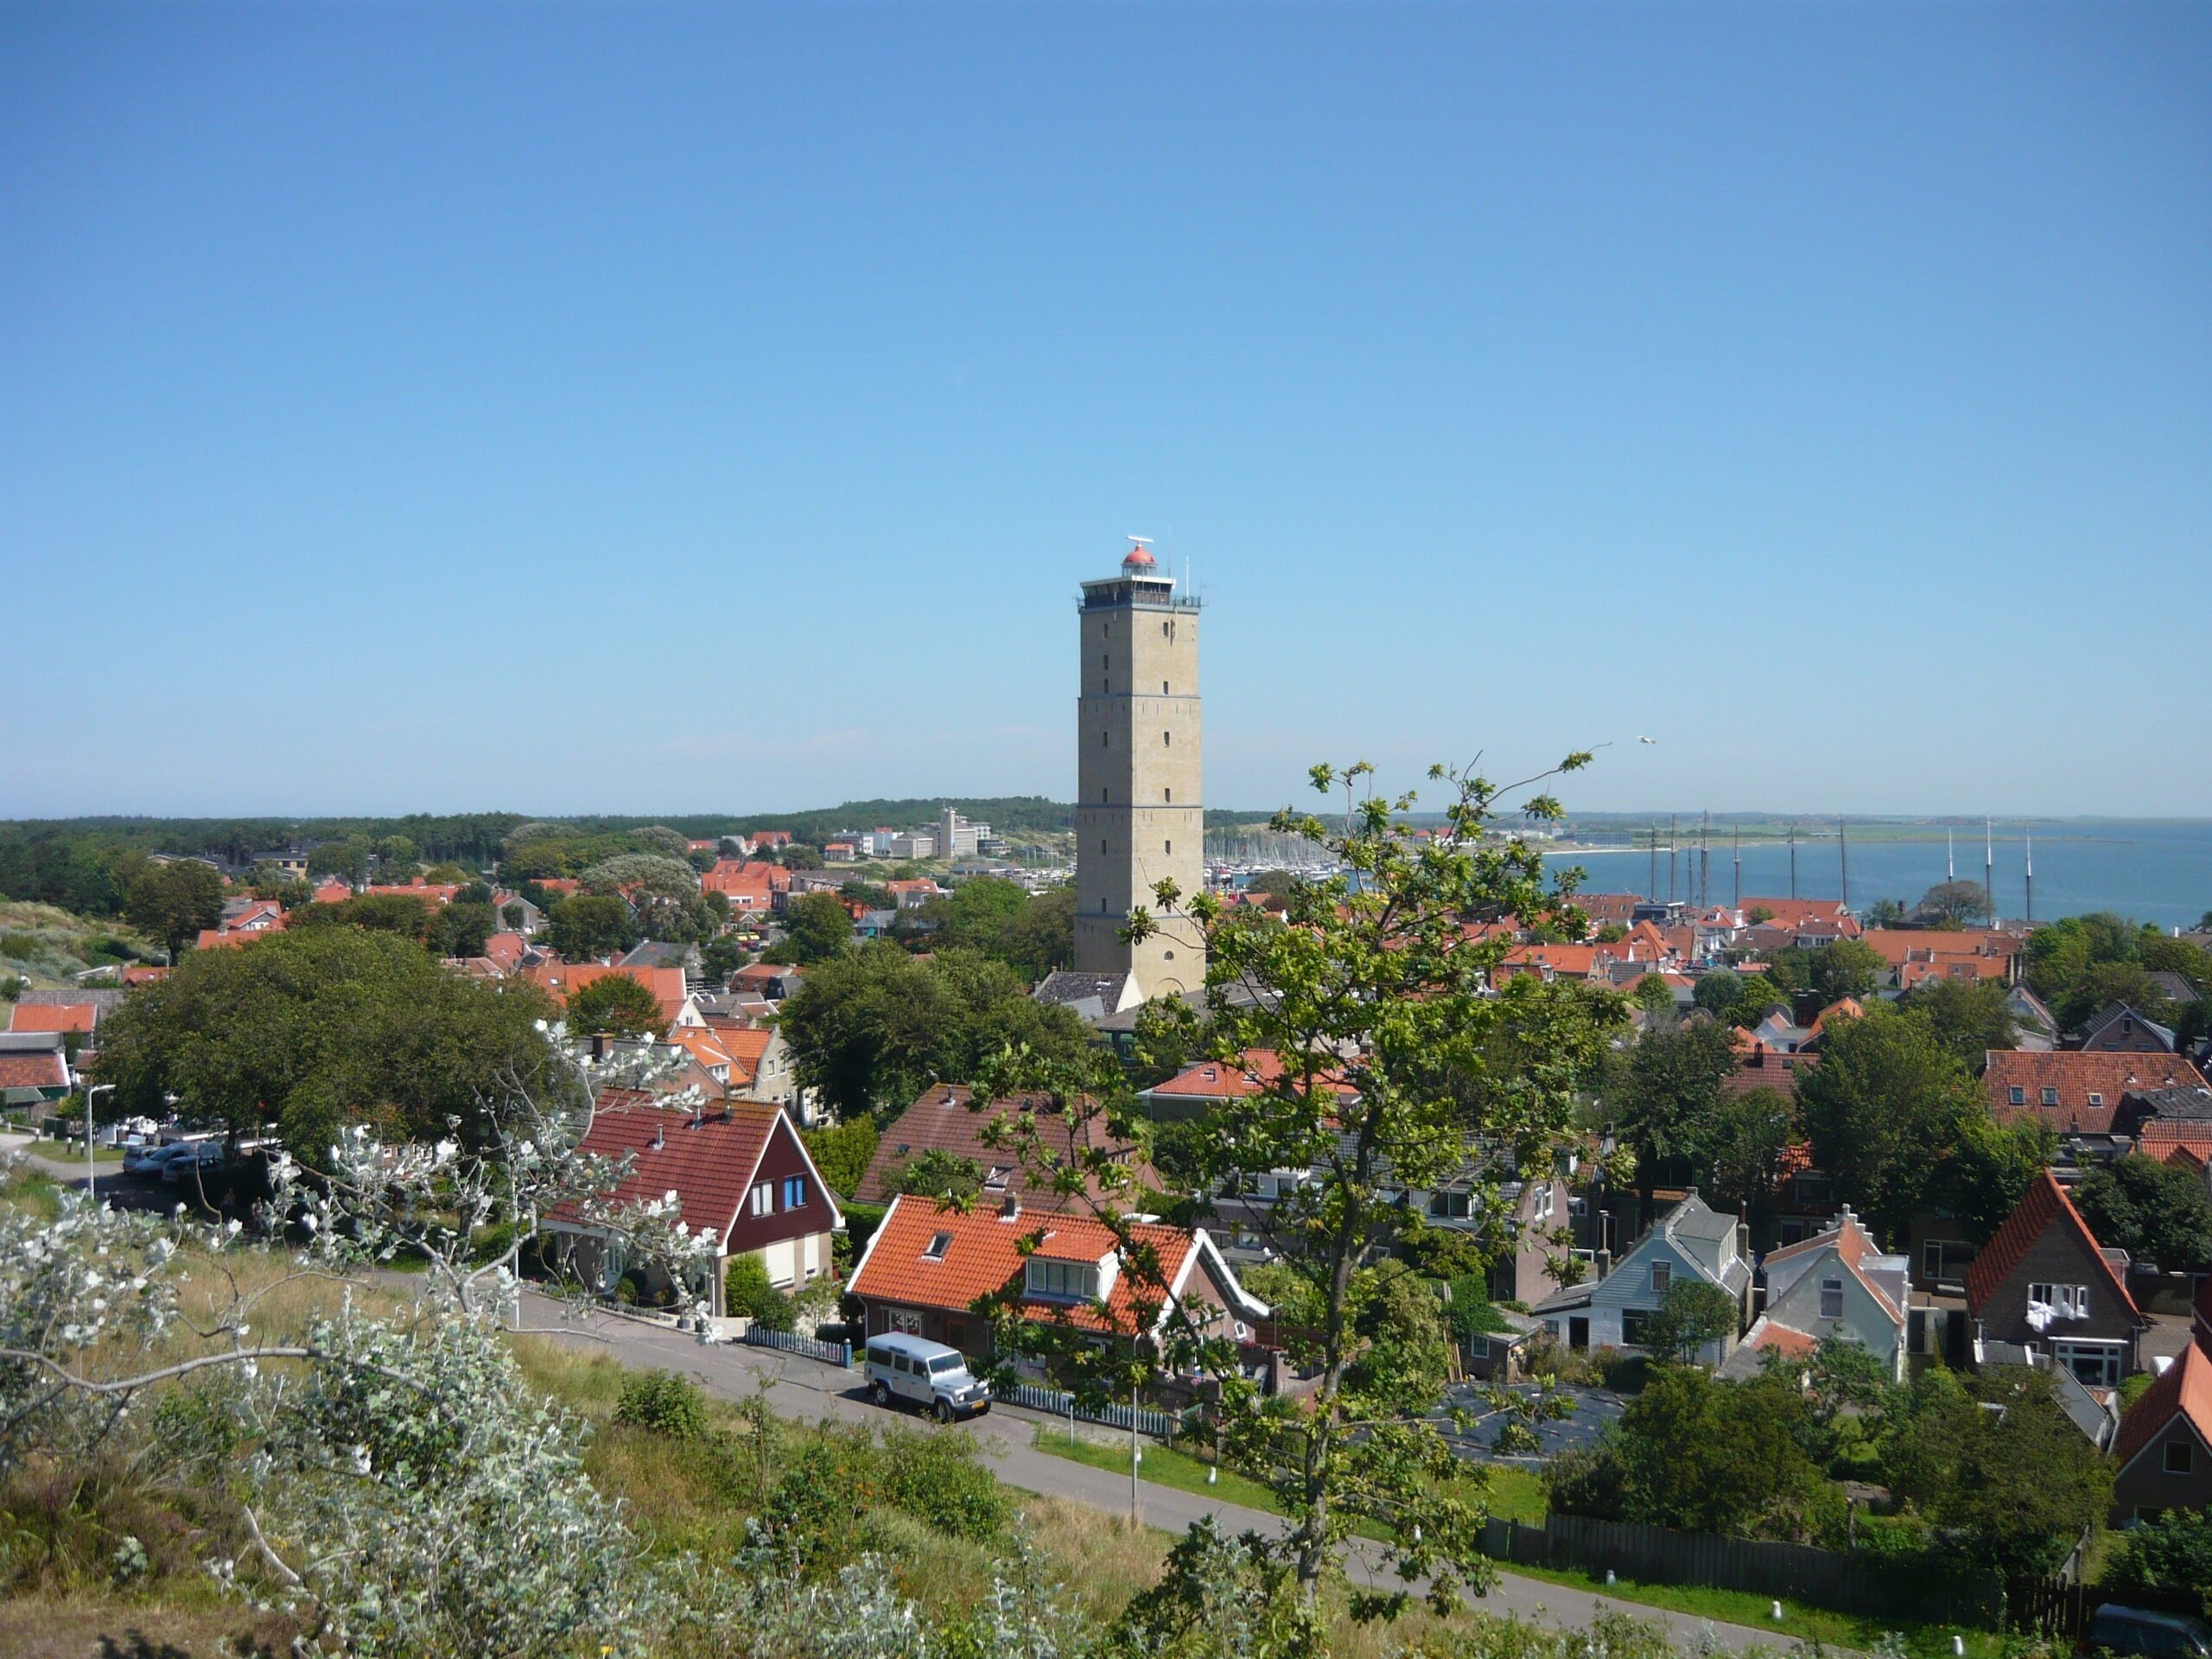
(1075, 1282)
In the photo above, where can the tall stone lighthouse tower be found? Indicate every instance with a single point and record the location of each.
(1138, 817)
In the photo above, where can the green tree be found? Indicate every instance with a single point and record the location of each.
(1968, 1016)
(174, 901)
(2170, 1551)
(1706, 1456)
(817, 927)
(460, 930)
(871, 1029)
(1664, 1095)
(945, 1176)
(1745, 1151)
(1405, 1355)
(2156, 1212)
(1954, 904)
(2013, 1486)
(1885, 1109)
(347, 860)
(380, 912)
(616, 1005)
(321, 1028)
(1376, 981)
(1846, 967)
(1885, 913)
(1654, 995)
(584, 927)
(841, 1152)
(1690, 1315)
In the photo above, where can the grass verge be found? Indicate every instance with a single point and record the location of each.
(1517, 1494)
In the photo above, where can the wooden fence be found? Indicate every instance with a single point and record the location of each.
(1874, 1587)
(2059, 1607)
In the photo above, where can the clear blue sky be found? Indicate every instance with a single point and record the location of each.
(580, 407)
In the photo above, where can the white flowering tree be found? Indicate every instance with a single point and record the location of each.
(403, 1489)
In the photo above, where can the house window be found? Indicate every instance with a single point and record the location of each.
(2064, 1301)
(905, 1320)
(1075, 1281)
(938, 1244)
(762, 1200)
(1170, 846)
(1167, 795)
(2051, 1096)
(1451, 1206)
(1633, 1323)
(2097, 1098)
(1163, 688)
(1831, 1298)
(2181, 1457)
(795, 1192)
(1662, 1276)
(2096, 1363)
(2017, 1095)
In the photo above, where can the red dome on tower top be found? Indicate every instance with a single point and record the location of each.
(1138, 559)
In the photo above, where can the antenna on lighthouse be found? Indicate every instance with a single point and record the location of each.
(1989, 869)
(2031, 874)
(1950, 863)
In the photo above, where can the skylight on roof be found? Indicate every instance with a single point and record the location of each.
(938, 1244)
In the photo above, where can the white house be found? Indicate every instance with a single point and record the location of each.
(1692, 1242)
(1837, 1284)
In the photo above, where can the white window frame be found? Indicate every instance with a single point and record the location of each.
(2112, 1357)
(761, 1201)
(2065, 1301)
(1831, 1288)
(1662, 1277)
(1073, 1281)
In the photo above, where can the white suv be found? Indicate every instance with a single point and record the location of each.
(927, 1373)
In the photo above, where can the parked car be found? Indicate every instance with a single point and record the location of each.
(2115, 1628)
(147, 1160)
(197, 1159)
(927, 1373)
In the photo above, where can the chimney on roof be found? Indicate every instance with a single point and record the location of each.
(1010, 1207)
(660, 1137)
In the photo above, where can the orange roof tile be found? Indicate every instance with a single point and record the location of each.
(984, 1252)
(2185, 1390)
(54, 1016)
(940, 1121)
(563, 978)
(2076, 1075)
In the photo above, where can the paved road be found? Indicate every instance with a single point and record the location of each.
(810, 1391)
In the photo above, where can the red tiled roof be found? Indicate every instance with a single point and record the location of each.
(1897, 945)
(708, 1168)
(985, 1254)
(564, 978)
(45, 1069)
(2043, 1206)
(1782, 1339)
(140, 973)
(508, 950)
(1213, 1080)
(54, 1016)
(2185, 1390)
(2077, 1075)
(1799, 912)
(940, 1121)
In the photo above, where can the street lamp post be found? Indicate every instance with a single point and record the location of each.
(92, 1170)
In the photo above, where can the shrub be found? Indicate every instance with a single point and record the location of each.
(2172, 1552)
(746, 1291)
(935, 1476)
(661, 1402)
